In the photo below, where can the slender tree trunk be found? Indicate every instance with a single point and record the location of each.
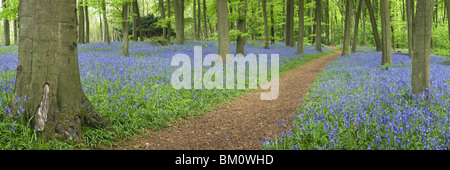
(318, 25)
(364, 21)
(195, 20)
(386, 33)
(266, 25)
(447, 3)
(422, 39)
(240, 43)
(163, 16)
(6, 32)
(125, 41)
(223, 29)
(290, 23)
(348, 26)
(101, 28)
(204, 20)
(199, 16)
(87, 32)
(80, 22)
(105, 23)
(48, 79)
(134, 10)
(301, 25)
(169, 28)
(272, 28)
(327, 21)
(179, 20)
(373, 21)
(139, 22)
(16, 40)
(355, 34)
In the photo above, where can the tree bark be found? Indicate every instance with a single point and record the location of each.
(348, 27)
(48, 81)
(195, 20)
(422, 40)
(318, 25)
(386, 33)
(223, 29)
(105, 23)
(272, 28)
(447, 3)
(290, 23)
(179, 20)
(163, 16)
(364, 21)
(6, 31)
(205, 29)
(355, 34)
(169, 29)
(266, 25)
(87, 32)
(199, 16)
(80, 22)
(241, 26)
(125, 40)
(301, 25)
(373, 22)
(139, 22)
(134, 9)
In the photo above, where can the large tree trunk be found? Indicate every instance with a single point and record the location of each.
(290, 23)
(48, 80)
(373, 22)
(6, 34)
(205, 29)
(223, 29)
(240, 40)
(80, 22)
(179, 20)
(348, 27)
(422, 44)
(386, 33)
(105, 23)
(355, 34)
(301, 25)
(125, 41)
(87, 32)
(318, 25)
(266, 25)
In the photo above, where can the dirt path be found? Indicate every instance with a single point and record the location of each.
(244, 122)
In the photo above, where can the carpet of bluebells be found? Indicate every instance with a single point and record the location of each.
(357, 104)
(134, 93)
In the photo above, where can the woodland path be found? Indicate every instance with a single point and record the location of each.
(243, 123)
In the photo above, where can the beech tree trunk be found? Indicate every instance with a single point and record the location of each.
(266, 25)
(386, 32)
(125, 41)
(290, 23)
(195, 20)
(241, 24)
(169, 29)
(373, 22)
(223, 29)
(163, 16)
(80, 22)
(48, 79)
(447, 3)
(179, 20)
(422, 45)
(205, 29)
(355, 34)
(348, 26)
(87, 29)
(301, 25)
(105, 24)
(6, 34)
(318, 25)
(135, 10)
(139, 22)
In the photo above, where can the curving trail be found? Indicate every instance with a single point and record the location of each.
(243, 123)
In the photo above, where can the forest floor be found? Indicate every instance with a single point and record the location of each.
(241, 124)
